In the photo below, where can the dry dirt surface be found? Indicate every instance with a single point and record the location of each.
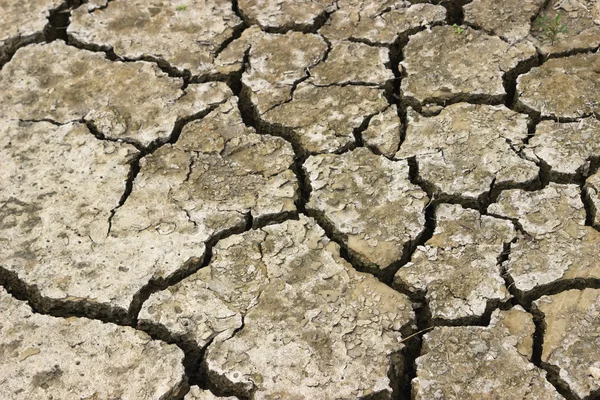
(299, 199)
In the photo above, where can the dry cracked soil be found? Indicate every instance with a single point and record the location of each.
(299, 199)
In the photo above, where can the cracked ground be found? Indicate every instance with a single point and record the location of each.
(303, 199)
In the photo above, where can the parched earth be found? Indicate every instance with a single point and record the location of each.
(303, 199)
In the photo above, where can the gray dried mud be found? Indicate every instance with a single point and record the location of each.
(303, 199)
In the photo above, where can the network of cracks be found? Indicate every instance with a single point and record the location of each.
(324, 199)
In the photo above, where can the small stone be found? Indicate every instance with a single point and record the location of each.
(313, 326)
(61, 83)
(476, 362)
(556, 207)
(159, 30)
(277, 15)
(22, 23)
(592, 191)
(438, 66)
(572, 338)
(370, 202)
(510, 19)
(566, 149)
(196, 393)
(353, 63)
(379, 23)
(430, 110)
(457, 270)
(78, 358)
(565, 88)
(383, 133)
(449, 149)
(583, 33)
(323, 119)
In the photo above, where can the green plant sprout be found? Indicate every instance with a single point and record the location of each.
(181, 8)
(550, 28)
(458, 29)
